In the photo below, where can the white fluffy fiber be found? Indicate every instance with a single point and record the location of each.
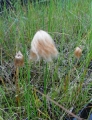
(43, 47)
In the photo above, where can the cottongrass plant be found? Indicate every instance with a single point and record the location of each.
(19, 61)
(43, 48)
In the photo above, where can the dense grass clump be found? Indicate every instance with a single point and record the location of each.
(67, 80)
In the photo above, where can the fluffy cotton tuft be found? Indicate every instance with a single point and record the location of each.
(43, 47)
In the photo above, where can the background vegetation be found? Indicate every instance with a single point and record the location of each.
(67, 80)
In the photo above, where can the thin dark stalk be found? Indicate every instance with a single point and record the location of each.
(17, 87)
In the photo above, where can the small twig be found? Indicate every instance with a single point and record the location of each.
(40, 112)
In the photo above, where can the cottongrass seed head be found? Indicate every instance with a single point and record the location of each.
(78, 52)
(43, 47)
(19, 59)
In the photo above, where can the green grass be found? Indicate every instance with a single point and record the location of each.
(70, 25)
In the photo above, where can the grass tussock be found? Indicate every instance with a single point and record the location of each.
(67, 80)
